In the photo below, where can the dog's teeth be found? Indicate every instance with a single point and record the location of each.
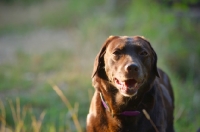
(122, 87)
(136, 85)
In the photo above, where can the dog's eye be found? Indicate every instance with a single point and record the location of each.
(143, 53)
(117, 52)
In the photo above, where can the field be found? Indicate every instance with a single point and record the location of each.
(47, 49)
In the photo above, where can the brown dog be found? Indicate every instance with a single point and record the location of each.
(127, 82)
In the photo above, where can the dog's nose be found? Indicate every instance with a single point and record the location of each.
(133, 67)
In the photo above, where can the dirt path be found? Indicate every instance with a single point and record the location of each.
(38, 41)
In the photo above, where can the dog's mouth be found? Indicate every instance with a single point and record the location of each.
(128, 87)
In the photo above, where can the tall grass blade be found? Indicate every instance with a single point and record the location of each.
(37, 124)
(2, 117)
(14, 115)
(69, 106)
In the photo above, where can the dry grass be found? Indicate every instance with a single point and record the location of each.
(19, 114)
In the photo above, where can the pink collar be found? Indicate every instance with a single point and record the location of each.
(125, 113)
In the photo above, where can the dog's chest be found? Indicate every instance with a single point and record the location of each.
(129, 124)
(125, 124)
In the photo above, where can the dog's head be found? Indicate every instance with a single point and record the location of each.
(126, 62)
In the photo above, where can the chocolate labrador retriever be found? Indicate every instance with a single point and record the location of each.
(127, 82)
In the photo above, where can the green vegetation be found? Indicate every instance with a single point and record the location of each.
(31, 79)
(26, 85)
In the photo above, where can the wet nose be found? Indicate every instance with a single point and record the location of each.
(133, 67)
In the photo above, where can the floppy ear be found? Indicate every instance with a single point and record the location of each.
(155, 69)
(99, 60)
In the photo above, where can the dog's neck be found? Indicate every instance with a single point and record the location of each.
(125, 113)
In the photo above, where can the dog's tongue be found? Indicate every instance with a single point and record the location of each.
(129, 83)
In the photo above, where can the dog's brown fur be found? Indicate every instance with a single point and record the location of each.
(121, 59)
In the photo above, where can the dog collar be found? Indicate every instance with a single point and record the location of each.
(125, 113)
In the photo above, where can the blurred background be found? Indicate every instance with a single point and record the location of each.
(52, 43)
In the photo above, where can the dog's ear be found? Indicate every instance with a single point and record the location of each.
(155, 69)
(99, 60)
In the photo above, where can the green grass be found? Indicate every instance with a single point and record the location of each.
(31, 77)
